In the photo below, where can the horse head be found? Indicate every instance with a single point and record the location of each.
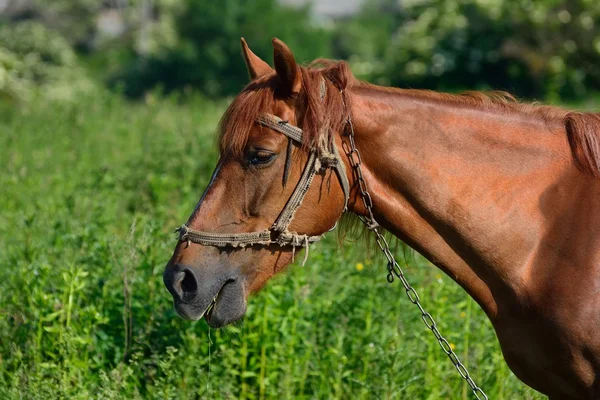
(276, 187)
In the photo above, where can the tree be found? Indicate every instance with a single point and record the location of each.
(206, 54)
(532, 48)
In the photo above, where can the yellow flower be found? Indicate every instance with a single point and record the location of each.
(359, 266)
(452, 346)
(463, 314)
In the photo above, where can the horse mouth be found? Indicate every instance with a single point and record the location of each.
(191, 312)
(226, 306)
(210, 307)
(207, 313)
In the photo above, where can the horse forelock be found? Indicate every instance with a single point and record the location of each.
(318, 115)
(239, 118)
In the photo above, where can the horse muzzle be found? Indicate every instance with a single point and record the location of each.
(219, 298)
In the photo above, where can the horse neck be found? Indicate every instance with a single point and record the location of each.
(460, 185)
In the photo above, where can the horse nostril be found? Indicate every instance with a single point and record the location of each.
(182, 284)
(188, 283)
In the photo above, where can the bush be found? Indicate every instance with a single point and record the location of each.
(532, 48)
(91, 191)
(203, 46)
(36, 59)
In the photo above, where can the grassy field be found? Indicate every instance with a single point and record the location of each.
(89, 196)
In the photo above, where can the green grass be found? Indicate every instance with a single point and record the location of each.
(89, 196)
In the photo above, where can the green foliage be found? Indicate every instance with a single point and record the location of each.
(90, 193)
(73, 19)
(204, 46)
(92, 186)
(532, 48)
(34, 58)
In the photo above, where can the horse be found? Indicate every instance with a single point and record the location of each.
(502, 196)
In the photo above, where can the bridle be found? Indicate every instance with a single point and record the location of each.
(278, 234)
(321, 158)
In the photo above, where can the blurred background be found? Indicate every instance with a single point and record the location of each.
(534, 49)
(108, 111)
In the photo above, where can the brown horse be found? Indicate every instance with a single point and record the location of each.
(503, 197)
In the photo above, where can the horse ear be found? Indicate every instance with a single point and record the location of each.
(256, 67)
(286, 67)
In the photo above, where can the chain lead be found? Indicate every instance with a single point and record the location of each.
(394, 269)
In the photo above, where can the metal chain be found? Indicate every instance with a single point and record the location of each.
(394, 269)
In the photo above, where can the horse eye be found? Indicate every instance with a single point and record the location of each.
(260, 157)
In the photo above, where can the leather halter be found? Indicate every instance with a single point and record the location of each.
(326, 157)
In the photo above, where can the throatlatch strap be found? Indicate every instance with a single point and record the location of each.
(340, 170)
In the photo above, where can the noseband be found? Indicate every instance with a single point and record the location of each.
(327, 157)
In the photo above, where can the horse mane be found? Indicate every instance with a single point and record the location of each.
(494, 101)
(326, 116)
(583, 132)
